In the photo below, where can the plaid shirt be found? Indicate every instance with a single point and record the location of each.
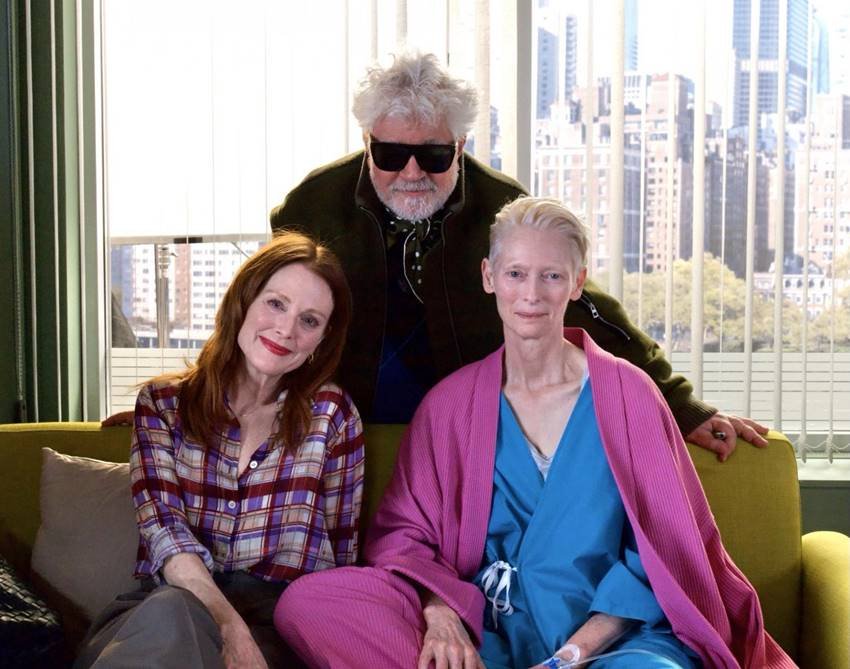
(286, 515)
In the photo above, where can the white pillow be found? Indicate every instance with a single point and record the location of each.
(87, 542)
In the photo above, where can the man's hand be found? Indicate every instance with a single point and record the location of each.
(120, 418)
(240, 650)
(720, 432)
(446, 641)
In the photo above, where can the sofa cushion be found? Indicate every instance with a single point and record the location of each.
(382, 441)
(86, 545)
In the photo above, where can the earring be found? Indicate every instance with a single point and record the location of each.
(310, 358)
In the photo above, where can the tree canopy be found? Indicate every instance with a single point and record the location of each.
(724, 302)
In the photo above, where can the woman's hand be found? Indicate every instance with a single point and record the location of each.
(240, 649)
(446, 641)
(567, 656)
(187, 570)
(598, 633)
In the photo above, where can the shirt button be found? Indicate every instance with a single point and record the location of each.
(253, 464)
(231, 504)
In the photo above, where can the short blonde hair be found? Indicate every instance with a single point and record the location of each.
(540, 214)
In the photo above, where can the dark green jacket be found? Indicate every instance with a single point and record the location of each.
(463, 325)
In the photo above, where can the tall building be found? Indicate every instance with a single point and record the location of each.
(196, 277)
(121, 276)
(635, 94)
(495, 139)
(560, 169)
(839, 51)
(820, 55)
(767, 59)
(665, 203)
(787, 214)
(659, 192)
(631, 35)
(557, 57)
(560, 172)
(570, 55)
(725, 228)
(828, 184)
(725, 191)
(547, 71)
(725, 202)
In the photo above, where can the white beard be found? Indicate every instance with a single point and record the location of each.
(416, 208)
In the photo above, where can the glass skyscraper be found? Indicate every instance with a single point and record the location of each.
(768, 57)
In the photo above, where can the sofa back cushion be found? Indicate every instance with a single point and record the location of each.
(382, 442)
(86, 545)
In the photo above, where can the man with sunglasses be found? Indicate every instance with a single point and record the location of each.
(409, 218)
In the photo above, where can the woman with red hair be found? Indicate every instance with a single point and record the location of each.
(247, 472)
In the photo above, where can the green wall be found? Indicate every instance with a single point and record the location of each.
(826, 505)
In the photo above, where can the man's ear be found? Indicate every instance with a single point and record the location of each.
(460, 144)
(487, 276)
(365, 140)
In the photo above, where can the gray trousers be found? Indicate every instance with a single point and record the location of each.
(169, 628)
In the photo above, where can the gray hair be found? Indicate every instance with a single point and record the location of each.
(540, 214)
(418, 88)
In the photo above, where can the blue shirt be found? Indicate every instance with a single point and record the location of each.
(570, 549)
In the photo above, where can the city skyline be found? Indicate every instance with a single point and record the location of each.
(646, 180)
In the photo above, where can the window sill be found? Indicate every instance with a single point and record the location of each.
(818, 471)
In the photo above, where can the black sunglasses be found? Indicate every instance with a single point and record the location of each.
(392, 157)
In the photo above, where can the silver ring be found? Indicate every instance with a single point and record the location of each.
(720, 434)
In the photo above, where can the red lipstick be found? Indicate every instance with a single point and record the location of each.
(274, 348)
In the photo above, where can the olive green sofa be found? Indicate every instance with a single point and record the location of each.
(803, 581)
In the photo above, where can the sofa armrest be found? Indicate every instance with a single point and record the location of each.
(825, 625)
(755, 499)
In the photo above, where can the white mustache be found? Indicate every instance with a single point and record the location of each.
(421, 184)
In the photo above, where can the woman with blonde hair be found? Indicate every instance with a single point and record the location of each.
(247, 472)
(543, 511)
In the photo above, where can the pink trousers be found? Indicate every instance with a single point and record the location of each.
(353, 618)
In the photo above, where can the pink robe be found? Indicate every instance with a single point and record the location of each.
(432, 523)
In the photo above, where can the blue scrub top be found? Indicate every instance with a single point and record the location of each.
(570, 548)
